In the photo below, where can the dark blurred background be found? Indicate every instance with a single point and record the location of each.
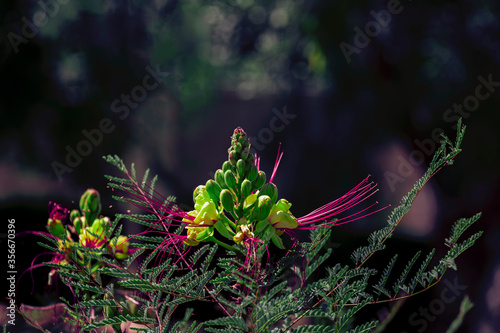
(348, 88)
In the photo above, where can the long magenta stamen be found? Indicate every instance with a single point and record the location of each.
(276, 163)
(358, 194)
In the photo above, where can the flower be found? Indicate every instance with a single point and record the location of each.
(95, 235)
(58, 215)
(242, 205)
(355, 196)
(281, 218)
(119, 246)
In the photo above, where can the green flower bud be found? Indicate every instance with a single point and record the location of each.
(74, 214)
(250, 200)
(119, 247)
(252, 173)
(98, 227)
(227, 166)
(243, 139)
(260, 180)
(246, 188)
(270, 190)
(249, 205)
(104, 223)
(226, 198)
(78, 224)
(263, 208)
(230, 179)
(245, 153)
(197, 191)
(219, 178)
(213, 190)
(84, 222)
(56, 228)
(90, 205)
(239, 136)
(250, 159)
(200, 196)
(232, 157)
(240, 166)
(242, 221)
(237, 147)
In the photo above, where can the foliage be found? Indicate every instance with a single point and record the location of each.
(218, 256)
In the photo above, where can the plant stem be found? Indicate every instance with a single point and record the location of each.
(224, 245)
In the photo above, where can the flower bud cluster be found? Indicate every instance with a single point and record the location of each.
(237, 200)
(84, 227)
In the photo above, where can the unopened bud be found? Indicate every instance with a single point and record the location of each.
(252, 173)
(90, 204)
(246, 188)
(78, 224)
(240, 166)
(98, 228)
(245, 153)
(237, 147)
(119, 247)
(213, 190)
(270, 190)
(56, 228)
(230, 179)
(249, 205)
(232, 157)
(243, 139)
(250, 159)
(260, 180)
(219, 178)
(75, 214)
(198, 191)
(106, 224)
(226, 198)
(263, 208)
(227, 166)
